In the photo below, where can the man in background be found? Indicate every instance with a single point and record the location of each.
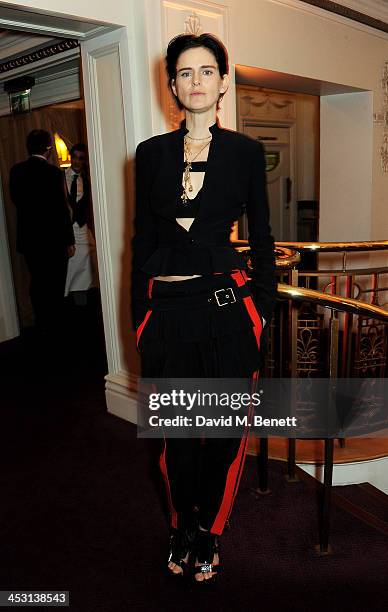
(44, 230)
(81, 272)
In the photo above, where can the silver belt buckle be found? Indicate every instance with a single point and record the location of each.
(229, 294)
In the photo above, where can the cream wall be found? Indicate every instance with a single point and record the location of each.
(312, 44)
(346, 151)
(117, 12)
(284, 35)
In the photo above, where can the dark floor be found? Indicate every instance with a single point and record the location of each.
(82, 506)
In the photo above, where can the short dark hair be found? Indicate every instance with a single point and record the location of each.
(38, 141)
(182, 42)
(80, 146)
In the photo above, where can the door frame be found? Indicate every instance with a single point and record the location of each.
(291, 125)
(104, 37)
(9, 327)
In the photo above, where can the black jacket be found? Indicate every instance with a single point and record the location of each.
(43, 218)
(235, 181)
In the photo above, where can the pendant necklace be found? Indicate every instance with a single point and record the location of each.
(187, 177)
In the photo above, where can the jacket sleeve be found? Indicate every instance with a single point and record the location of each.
(15, 186)
(263, 280)
(63, 209)
(144, 241)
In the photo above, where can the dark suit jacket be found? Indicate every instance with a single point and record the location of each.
(43, 218)
(235, 181)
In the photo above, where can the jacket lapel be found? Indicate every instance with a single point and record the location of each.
(170, 174)
(214, 172)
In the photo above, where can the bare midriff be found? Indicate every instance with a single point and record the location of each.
(175, 278)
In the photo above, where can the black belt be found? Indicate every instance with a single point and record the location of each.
(214, 297)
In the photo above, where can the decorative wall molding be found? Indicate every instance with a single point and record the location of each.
(374, 8)
(384, 153)
(267, 105)
(38, 54)
(121, 396)
(193, 25)
(38, 68)
(381, 118)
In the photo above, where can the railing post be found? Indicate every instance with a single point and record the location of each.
(324, 526)
(347, 332)
(293, 339)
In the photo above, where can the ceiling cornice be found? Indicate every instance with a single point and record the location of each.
(374, 8)
(376, 17)
(15, 43)
(38, 55)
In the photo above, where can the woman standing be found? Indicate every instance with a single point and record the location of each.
(194, 313)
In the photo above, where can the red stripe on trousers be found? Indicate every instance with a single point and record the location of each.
(240, 278)
(236, 468)
(147, 316)
(141, 327)
(150, 283)
(163, 468)
(233, 479)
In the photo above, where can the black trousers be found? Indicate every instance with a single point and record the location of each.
(48, 270)
(207, 342)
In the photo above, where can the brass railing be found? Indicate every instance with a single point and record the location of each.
(299, 339)
(318, 334)
(363, 245)
(334, 302)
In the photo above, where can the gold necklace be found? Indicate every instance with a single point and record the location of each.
(191, 138)
(187, 177)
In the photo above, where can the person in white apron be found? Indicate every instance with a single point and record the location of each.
(81, 274)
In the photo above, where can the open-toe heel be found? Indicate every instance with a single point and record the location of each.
(181, 543)
(178, 553)
(206, 546)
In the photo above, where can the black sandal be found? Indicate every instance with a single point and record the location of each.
(206, 546)
(178, 553)
(181, 543)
